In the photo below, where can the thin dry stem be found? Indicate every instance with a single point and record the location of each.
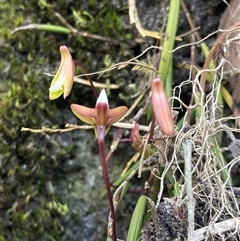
(221, 227)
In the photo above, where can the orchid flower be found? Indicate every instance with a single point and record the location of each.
(137, 142)
(63, 80)
(136, 139)
(161, 107)
(100, 116)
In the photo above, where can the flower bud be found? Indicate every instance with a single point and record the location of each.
(161, 108)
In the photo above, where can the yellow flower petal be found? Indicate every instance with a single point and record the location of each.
(63, 80)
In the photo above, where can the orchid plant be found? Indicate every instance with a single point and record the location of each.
(102, 118)
(162, 125)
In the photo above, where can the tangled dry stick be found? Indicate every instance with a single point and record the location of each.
(214, 206)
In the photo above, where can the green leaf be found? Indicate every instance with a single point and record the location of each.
(137, 218)
(169, 39)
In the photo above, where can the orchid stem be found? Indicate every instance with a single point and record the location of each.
(112, 216)
(151, 133)
(79, 64)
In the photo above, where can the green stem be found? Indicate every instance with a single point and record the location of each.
(169, 39)
(101, 146)
(168, 84)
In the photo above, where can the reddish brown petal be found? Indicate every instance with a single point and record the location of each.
(116, 114)
(136, 139)
(102, 114)
(85, 114)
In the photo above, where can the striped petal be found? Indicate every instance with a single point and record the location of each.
(115, 115)
(84, 113)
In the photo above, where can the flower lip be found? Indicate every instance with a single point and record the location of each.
(102, 114)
